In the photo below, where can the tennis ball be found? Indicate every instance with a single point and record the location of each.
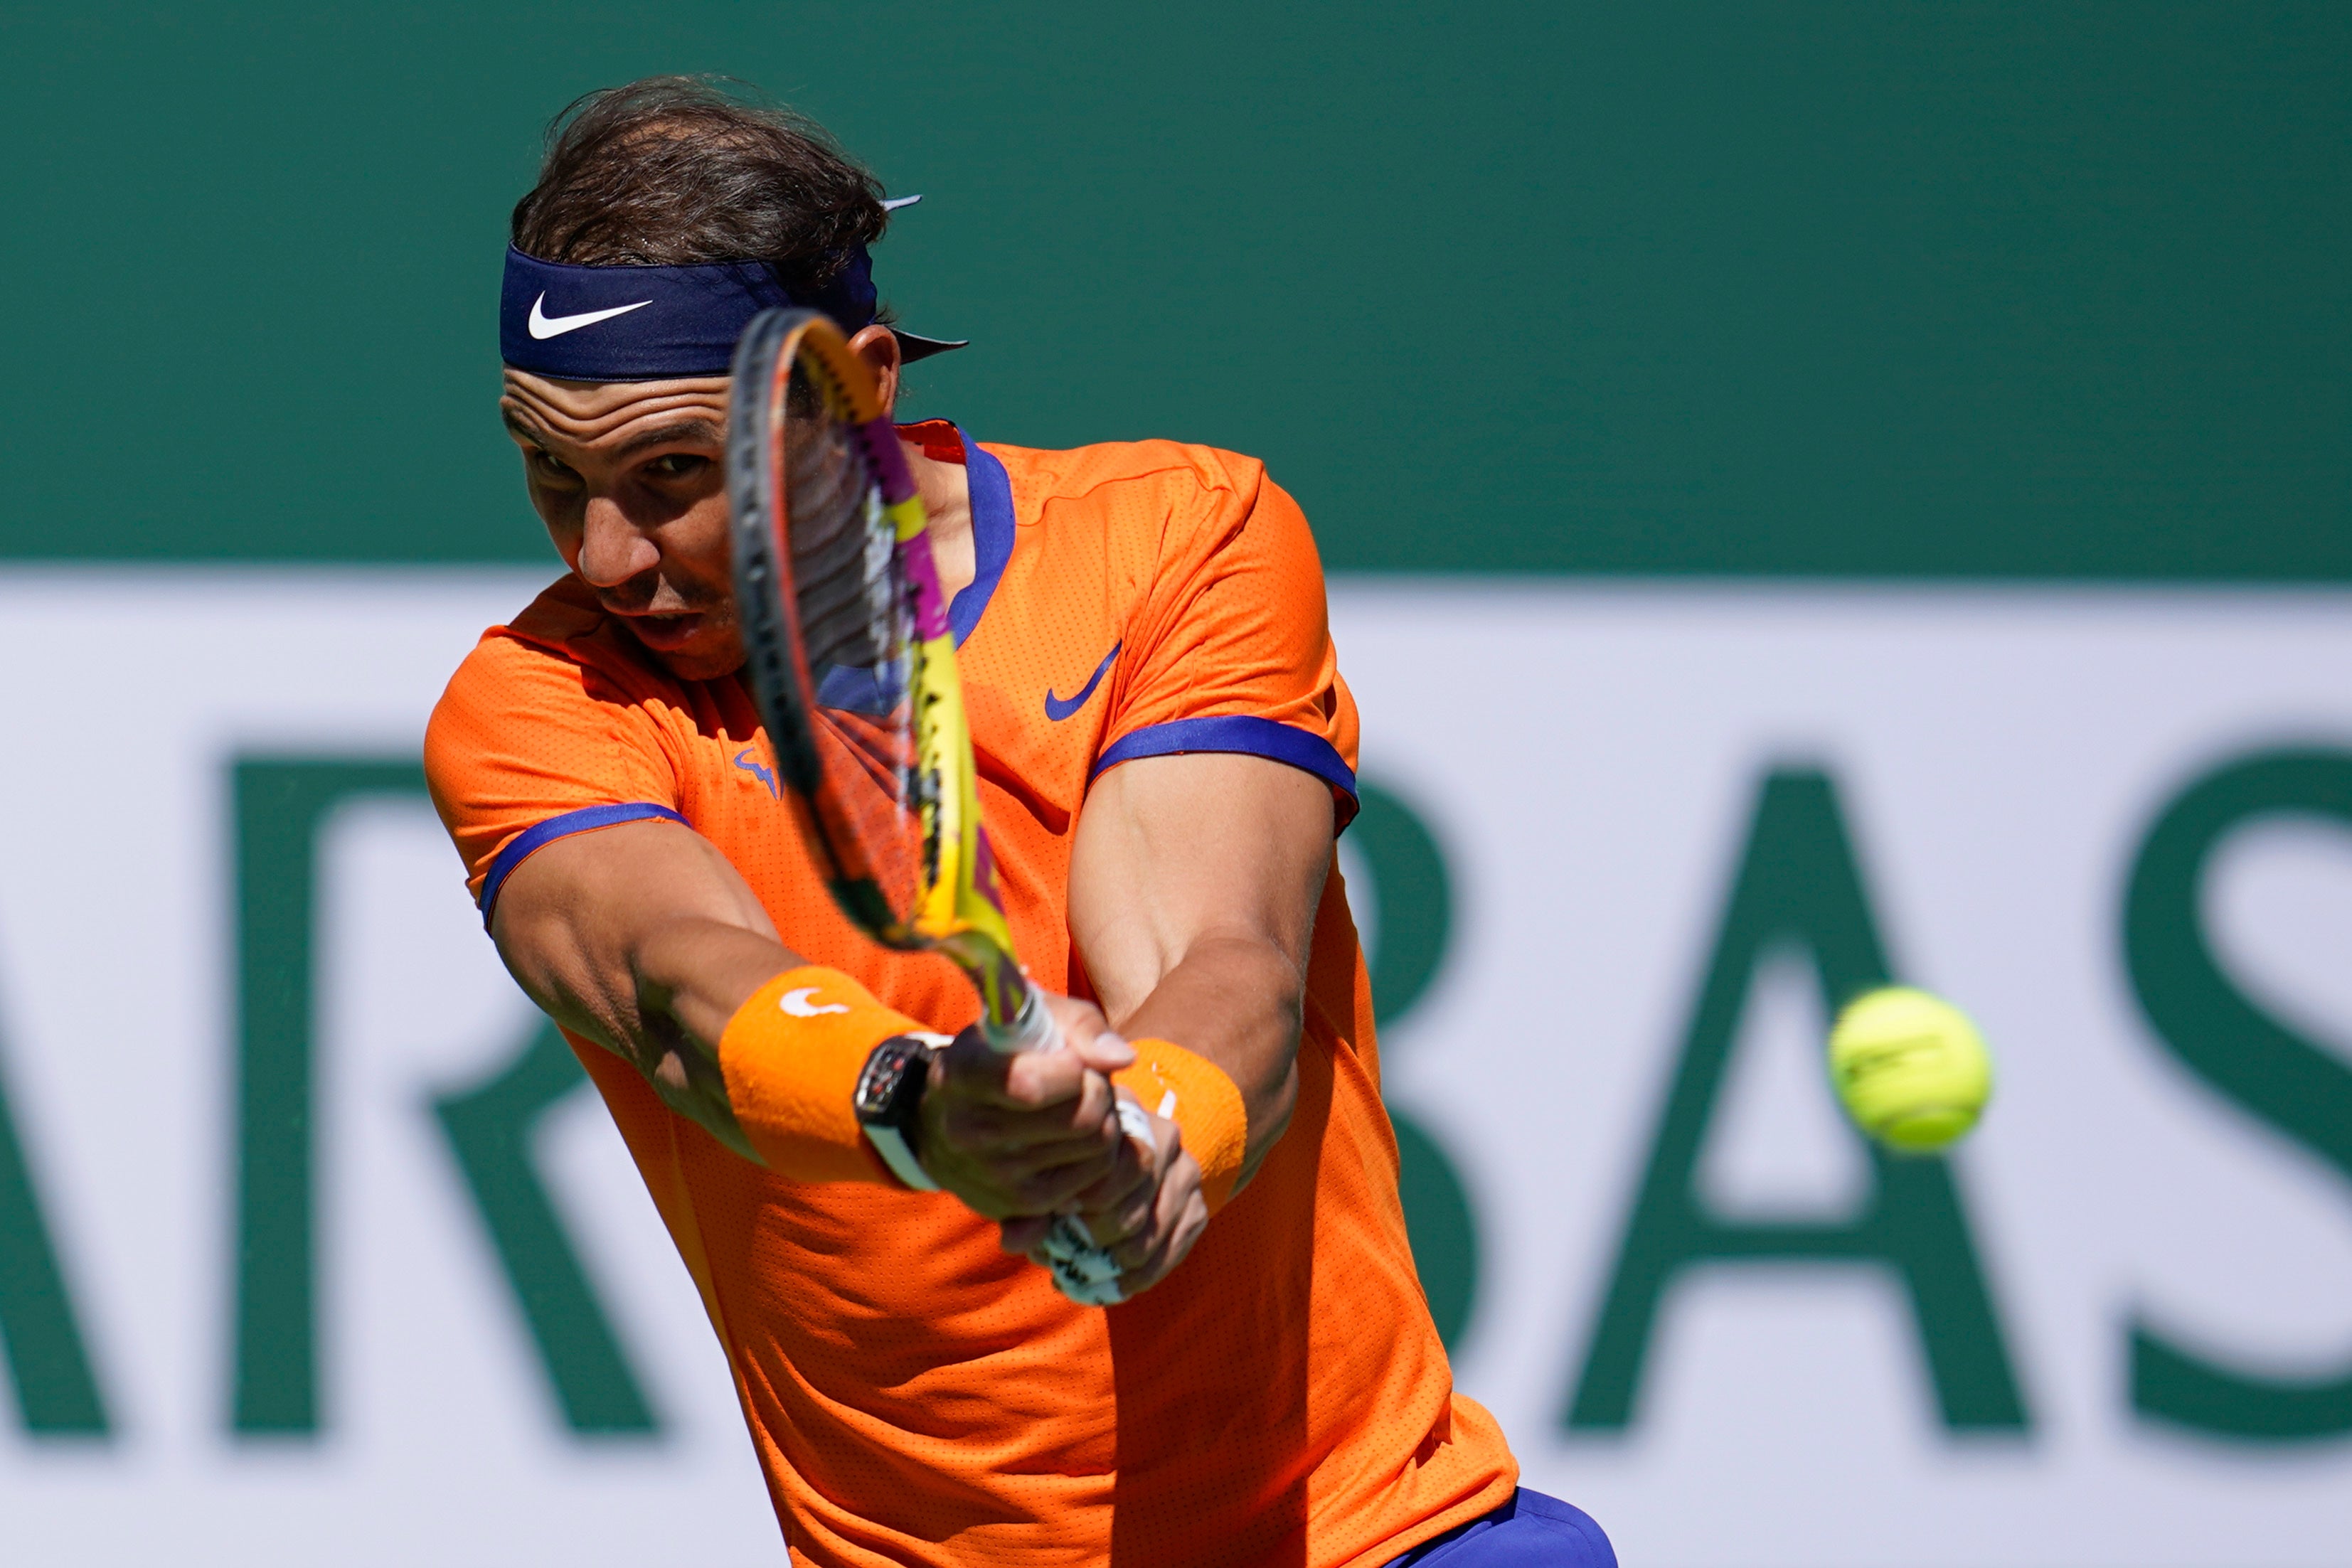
(1910, 1068)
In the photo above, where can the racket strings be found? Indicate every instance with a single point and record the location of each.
(852, 612)
(875, 800)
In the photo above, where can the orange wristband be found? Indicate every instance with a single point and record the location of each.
(1198, 1096)
(791, 1057)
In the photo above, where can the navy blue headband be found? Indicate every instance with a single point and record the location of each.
(650, 323)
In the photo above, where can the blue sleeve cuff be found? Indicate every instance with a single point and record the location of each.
(1242, 732)
(538, 835)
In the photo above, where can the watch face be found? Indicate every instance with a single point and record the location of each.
(878, 1084)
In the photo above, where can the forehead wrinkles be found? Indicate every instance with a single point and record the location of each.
(588, 414)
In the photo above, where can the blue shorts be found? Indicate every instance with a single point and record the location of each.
(1531, 1531)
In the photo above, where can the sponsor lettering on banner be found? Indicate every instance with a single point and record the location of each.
(313, 1240)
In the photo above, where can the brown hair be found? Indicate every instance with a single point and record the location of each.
(683, 171)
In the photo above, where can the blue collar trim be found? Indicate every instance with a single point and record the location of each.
(992, 536)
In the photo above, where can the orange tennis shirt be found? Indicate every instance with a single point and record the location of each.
(917, 1396)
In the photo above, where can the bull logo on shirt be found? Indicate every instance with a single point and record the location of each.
(760, 770)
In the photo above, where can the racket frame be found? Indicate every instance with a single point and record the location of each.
(957, 909)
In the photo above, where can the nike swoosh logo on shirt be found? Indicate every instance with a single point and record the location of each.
(1059, 708)
(544, 326)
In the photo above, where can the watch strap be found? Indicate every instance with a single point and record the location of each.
(891, 1144)
(891, 1125)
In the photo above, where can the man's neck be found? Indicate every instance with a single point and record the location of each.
(946, 489)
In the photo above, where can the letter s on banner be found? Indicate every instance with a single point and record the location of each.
(2241, 1052)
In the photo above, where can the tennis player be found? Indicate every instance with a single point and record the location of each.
(1165, 749)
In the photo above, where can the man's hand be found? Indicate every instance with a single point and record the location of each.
(1028, 1133)
(1147, 1214)
(1028, 1138)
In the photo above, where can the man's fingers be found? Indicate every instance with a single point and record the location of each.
(985, 1103)
(1001, 1146)
(1038, 1134)
(1187, 1231)
(992, 1190)
(1027, 1234)
(1113, 1213)
(1054, 1189)
(1175, 1225)
(1089, 1039)
(1038, 1080)
(1025, 1081)
(1180, 1217)
(1161, 1239)
(993, 1133)
(1119, 1207)
(1126, 1227)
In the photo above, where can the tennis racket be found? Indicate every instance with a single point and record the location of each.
(853, 665)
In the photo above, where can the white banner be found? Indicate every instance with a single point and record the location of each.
(311, 1250)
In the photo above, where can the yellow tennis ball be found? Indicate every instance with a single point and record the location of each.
(1910, 1068)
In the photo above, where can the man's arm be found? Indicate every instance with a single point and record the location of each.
(645, 939)
(1193, 884)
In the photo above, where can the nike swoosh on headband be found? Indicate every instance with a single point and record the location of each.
(543, 326)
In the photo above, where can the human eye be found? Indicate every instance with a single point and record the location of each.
(678, 464)
(548, 467)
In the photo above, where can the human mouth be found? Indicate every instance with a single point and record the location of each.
(664, 633)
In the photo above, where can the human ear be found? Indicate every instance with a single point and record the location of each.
(878, 347)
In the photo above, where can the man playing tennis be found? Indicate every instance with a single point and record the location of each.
(1164, 746)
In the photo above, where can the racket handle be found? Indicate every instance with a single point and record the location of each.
(1031, 1028)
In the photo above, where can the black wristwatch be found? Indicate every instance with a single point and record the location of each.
(890, 1105)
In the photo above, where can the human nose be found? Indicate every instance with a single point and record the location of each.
(613, 550)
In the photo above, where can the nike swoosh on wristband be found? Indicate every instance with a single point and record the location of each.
(799, 1004)
(1059, 708)
(543, 326)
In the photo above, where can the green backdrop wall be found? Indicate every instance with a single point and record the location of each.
(1952, 290)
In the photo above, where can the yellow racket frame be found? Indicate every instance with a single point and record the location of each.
(958, 910)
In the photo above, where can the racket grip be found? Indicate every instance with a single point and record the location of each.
(1081, 1270)
(1031, 1028)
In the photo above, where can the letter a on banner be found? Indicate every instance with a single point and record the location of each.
(1799, 887)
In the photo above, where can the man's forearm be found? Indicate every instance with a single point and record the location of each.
(690, 976)
(660, 998)
(695, 974)
(1236, 1000)
(1194, 879)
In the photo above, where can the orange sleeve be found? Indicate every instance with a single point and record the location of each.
(528, 745)
(1231, 650)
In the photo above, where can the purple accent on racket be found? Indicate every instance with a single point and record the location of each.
(983, 871)
(897, 483)
(922, 574)
(890, 470)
